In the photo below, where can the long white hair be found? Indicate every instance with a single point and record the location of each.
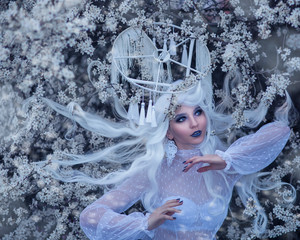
(142, 147)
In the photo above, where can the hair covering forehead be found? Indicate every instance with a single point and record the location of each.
(191, 97)
(199, 95)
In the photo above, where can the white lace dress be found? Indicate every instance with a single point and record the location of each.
(202, 215)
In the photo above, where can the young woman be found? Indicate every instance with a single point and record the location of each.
(182, 173)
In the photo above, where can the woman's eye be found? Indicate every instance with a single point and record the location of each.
(198, 112)
(180, 119)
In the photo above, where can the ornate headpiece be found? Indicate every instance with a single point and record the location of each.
(147, 72)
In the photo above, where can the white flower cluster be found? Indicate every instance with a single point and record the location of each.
(278, 84)
(293, 41)
(294, 19)
(293, 64)
(251, 209)
(286, 215)
(233, 51)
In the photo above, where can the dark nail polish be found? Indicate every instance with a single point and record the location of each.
(174, 217)
(178, 199)
(181, 201)
(184, 162)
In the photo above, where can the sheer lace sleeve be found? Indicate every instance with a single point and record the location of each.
(102, 219)
(254, 152)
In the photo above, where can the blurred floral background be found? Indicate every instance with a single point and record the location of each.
(45, 49)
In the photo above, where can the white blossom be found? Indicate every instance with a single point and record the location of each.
(293, 64)
(294, 18)
(293, 41)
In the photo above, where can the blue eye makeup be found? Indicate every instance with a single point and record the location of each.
(180, 118)
(198, 111)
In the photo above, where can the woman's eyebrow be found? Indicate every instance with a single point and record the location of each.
(180, 115)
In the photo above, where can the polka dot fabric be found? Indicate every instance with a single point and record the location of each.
(254, 152)
(202, 212)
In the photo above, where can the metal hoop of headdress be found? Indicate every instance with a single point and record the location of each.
(137, 60)
(133, 44)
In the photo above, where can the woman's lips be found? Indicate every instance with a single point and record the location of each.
(197, 133)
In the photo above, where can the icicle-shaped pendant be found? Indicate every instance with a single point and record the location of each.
(133, 112)
(184, 59)
(149, 112)
(136, 116)
(142, 115)
(172, 47)
(153, 120)
(165, 46)
(130, 110)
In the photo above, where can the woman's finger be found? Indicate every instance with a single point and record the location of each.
(171, 210)
(215, 162)
(167, 217)
(191, 163)
(204, 159)
(204, 169)
(186, 168)
(170, 213)
(191, 160)
(172, 201)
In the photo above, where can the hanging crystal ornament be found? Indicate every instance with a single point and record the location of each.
(184, 55)
(133, 112)
(142, 115)
(172, 47)
(153, 117)
(142, 111)
(165, 49)
(149, 112)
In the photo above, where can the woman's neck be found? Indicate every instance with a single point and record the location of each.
(188, 152)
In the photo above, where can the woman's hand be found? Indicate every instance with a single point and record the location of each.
(215, 163)
(163, 213)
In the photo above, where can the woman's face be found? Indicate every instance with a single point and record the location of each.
(188, 128)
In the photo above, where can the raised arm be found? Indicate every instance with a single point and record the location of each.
(102, 219)
(254, 152)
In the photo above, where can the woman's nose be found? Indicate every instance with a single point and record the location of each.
(193, 122)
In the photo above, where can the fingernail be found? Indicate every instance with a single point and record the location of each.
(181, 201)
(178, 199)
(184, 162)
(174, 217)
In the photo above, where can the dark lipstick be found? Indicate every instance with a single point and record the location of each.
(197, 133)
